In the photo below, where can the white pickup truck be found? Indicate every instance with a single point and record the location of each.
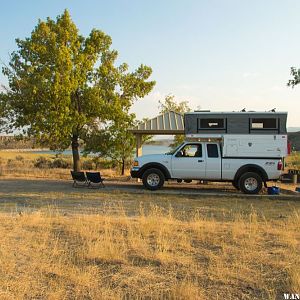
(213, 161)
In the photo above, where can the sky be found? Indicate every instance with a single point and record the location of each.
(221, 55)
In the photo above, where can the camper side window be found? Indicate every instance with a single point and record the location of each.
(212, 150)
(211, 123)
(264, 123)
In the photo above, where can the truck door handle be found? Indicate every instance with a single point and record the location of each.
(200, 160)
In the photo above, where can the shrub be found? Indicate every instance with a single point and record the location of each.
(88, 164)
(19, 158)
(107, 164)
(42, 163)
(61, 163)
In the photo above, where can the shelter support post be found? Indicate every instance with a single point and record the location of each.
(138, 144)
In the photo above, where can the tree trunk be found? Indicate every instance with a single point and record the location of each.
(123, 166)
(75, 153)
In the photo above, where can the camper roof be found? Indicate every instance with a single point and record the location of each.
(235, 122)
(206, 112)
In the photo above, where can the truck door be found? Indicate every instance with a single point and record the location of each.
(213, 161)
(189, 162)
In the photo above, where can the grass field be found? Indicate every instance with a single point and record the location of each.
(22, 164)
(293, 160)
(64, 243)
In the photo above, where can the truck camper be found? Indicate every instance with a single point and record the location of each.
(245, 148)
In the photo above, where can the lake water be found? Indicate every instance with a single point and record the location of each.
(146, 149)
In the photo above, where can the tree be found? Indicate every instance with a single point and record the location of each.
(170, 104)
(296, 77)
(114, 140)
(61, 84)
(2, 114)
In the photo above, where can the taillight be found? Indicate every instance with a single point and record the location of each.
(279, 165)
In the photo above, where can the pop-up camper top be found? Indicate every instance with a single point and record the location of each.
(241, 134)
(235, 123)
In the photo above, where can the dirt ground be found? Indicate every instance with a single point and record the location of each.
(23, 194)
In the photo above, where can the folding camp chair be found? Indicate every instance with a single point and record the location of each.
(79, 179)
(94, 178)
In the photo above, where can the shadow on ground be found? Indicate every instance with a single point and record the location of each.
(17, 195)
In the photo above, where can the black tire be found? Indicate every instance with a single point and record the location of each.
(153, 179)
(187, 180)
(250, 183)
(235, 183)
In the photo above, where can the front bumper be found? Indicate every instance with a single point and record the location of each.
(135, 172)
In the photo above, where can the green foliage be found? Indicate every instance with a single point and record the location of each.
(296, 77)
(170, 104)
(114, 141)
(62, 84)
(2, 112)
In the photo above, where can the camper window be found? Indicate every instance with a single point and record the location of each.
(266, 123)
(211, 124)
(212, 150)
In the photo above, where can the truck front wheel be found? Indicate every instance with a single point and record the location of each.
(235, 183)
(153, 179)
(250, 183)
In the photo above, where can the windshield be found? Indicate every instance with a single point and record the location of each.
(174, 150)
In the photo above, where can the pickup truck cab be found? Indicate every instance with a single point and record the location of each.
(204, 161)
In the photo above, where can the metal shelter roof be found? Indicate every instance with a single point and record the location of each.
(167, 123)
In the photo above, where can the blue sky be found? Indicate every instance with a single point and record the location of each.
(217, 54)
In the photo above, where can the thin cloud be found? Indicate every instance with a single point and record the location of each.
(250, 75)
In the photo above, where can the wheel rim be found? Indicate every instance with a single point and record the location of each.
(251, 184)
(153, 179)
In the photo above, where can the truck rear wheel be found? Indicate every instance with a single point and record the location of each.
(153, 179)
(250, 183)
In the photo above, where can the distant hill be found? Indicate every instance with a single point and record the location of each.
(294, 138)
(293, 129)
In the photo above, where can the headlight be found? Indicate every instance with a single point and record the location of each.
(135, 163)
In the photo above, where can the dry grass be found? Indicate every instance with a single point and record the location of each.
(21, 165)
(293, 160)
(157, 254)
(169, 247)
